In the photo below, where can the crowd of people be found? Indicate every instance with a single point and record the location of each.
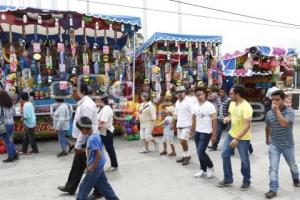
(201, 115)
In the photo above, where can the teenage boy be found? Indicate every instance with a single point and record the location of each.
(95, 163)
(29, 120)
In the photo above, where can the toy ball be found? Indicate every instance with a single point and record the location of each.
(155, 69)
(37, 56)
(127, 124)
(128, 110)
(135, 129)
(128, 118)
(136, 136)
(146, 81)
(129, 131)
(133, 121)
(130, 104)
(129, 137)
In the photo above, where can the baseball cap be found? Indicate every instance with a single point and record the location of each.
(180, 88)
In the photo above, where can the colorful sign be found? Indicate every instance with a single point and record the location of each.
(43, 128)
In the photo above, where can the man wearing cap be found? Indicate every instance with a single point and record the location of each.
(183, 115)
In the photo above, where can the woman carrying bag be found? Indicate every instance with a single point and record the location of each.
(7, 125)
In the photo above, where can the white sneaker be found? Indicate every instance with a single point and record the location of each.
(199, 174)
(144, 151)
(111, 169)
(210, 172)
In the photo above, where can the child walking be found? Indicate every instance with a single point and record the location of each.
(29, 120)
(95, 162)
(61, 123)
(168, 136)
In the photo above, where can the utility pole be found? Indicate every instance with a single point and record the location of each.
(87, 6)
(38, 4)
(145, 30)
(54, 4)
(68, 5)
(179, 17)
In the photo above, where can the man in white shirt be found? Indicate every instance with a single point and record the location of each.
(85, 107)
(105, 125)
(204, 129)
(147, 119)
(183, 115)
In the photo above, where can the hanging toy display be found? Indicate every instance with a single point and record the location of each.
(200, 61)
(179, 70)
(96, 58)
(13, 61)
(49, 63)
(116, 56)
(96, 53)
(73, 45)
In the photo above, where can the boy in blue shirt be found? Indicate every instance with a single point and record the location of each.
(29, 120)
(95, 164)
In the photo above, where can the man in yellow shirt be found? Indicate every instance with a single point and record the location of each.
(240, 116)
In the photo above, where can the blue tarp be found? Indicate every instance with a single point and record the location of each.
(177, 37)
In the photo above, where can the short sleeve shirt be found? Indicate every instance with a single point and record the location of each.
(94, 144)
(167, 125)
(281, 137)
(203, 117)
(29, 115)
(239, 113)
(183, 112)
(106, 115)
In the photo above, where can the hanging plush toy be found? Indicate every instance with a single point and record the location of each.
(289, 69)
(255, 64)
(156, 79)
(272, 63)
(265, 65)
(13, 60)
(96, 58)
(248, 64)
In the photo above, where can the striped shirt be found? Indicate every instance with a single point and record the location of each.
(223, 106)
(281, 137)
(8, 115)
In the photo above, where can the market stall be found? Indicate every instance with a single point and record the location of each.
(256, 68)
(41, 50)
(166, 60)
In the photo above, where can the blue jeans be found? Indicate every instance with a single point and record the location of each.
(274, 157)
(7, 138)
(243, 147)
(220, 128)
(99, 180)
(62, 139)
(202, 141)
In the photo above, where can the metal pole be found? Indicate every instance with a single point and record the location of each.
(179, 17)
(38, 3)
(133, 69)
(54, 4)
(87, 6)
(145, 29)
(68, 5)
